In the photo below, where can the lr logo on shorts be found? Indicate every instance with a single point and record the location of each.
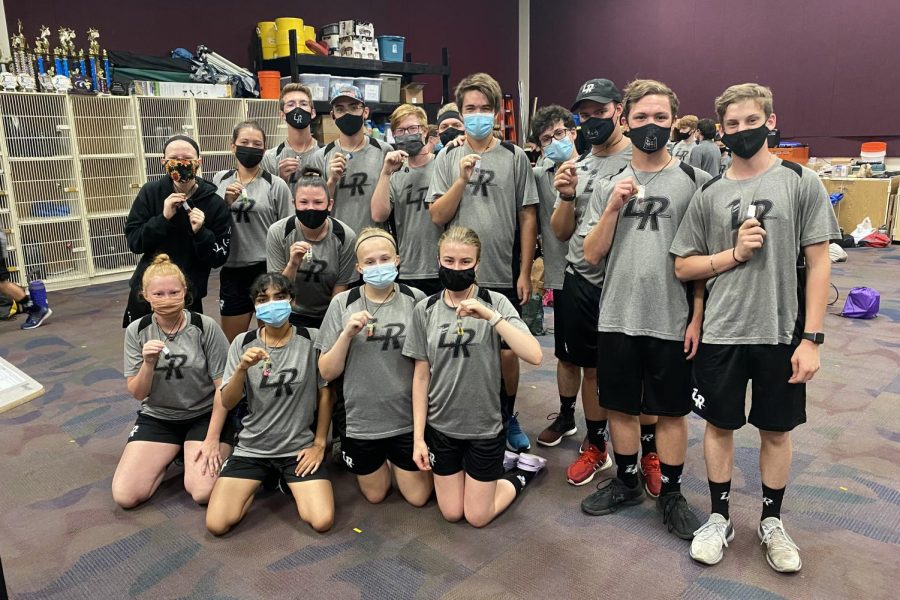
(347, 459)
(133, 431)
(699, 401)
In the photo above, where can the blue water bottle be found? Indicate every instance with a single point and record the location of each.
(38, 293)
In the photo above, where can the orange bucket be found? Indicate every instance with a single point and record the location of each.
(269, 84)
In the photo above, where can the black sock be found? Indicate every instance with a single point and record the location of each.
(720, 495)
(511, 404)
(519, 478)
(596, 432)
(627, 469)
(771, 502)
(671, 478)
(27, 303)
(648, 439)
(567, 405)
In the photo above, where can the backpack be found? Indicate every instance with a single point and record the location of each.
(862, 303)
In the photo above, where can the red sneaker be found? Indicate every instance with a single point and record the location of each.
(652, 474)
(587, 464)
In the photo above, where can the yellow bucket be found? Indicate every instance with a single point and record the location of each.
(282, 26)
(309, 33)
(266, 32)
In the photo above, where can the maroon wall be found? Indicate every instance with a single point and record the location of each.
(488, 43)
(830, 63)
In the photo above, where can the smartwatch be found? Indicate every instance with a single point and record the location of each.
(567, 198)
(816, 338)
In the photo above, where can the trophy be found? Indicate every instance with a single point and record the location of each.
(94, 56)
(61, 81)
(81, 80)
(8, 82)
(23, 66)
(42, 55)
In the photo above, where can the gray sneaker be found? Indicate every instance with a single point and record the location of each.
(677, 515)
(609, 498)
(782, 553)
(710, 541)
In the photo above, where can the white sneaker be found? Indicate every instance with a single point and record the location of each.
(510, 459)
(782, 553)
(710, 541)
(531, 462)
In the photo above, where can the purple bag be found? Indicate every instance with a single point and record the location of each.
(862, 303)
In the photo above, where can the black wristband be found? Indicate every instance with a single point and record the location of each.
(734, 256)
(567, 198)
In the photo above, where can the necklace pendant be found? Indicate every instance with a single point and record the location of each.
(459, 327)
(641, 192)
(370, 329)
(307, 258)
(266, 367)
(349, 155)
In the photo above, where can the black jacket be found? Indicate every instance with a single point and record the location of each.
(150, 233)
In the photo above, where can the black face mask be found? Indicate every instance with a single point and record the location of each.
(649, 138)
(746, 143)
(298, 118)
(456, 281)
(349, 124)
(596, 130)
(248, 155)
(312, 218)
(450, 134)
(680, 136)
(411, 144)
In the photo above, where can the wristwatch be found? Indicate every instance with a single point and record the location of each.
(565, 198)
(495, 319)
(815, 338)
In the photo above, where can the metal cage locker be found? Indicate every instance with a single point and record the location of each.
(8, 222)
(159, 119)
(267, 114)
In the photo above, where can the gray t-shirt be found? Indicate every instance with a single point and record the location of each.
(280, 407)
(464, 393)
(353, 193)
(706, 156)
(591, 170)
(490, 204)
(333, 262)
(554, 251)
(377, 377)
(268, 199)
(641, 295)
(682, 150)
(756, 303)
(182, 386)
(725, 162)
(273, 156)
(417, 234)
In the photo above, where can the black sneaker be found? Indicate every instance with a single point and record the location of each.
(563, 425)
(609, 498)
(677, 515)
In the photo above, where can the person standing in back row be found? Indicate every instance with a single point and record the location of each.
(685, 132)
(352, 163)
(706, 154)
(488, 186)
(294, 154)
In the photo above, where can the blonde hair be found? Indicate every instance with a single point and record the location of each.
(760, 94)
(461, 235)
(480, 82)
(449, 107)
(368, 233)
(407, 110)
(639, 88)
(690, 121)
(162, 266)
(293, 87)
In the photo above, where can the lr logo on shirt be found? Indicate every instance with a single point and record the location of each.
(391, 335)
(241, 210)
(459, 343)
(737, 218)
(416, 197)
(282, 383)
(648, 211)
(173, 366)
(355, 183)
(481, 182)
(314, 272)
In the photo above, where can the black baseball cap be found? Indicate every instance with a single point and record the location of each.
(603, 91)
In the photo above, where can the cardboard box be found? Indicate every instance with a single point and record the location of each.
(325, 130)
(412, 93)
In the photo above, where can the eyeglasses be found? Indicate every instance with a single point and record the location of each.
(411, 130)
(292, 104)
(353, 109)
(557, 135)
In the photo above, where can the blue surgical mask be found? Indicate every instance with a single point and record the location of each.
(559, 151)
(274, 313)
(479, 125)
(380, 276)
(438, 146)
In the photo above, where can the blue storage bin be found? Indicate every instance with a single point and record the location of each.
(391, 47)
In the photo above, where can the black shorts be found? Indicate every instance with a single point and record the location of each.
(482, 460)
(4, 268)
(575, 311)
(277, 470)
(429, 287)
(720, 380)
(312, 322)
(234, 289)
(164, 431)
(642, 374)
(138, 307)
(364, 457)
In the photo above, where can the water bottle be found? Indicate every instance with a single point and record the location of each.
(38, 293)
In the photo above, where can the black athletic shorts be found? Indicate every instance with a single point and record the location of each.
(138, 307)
(364, 457)
(312, 322)
(281, 469)
(720, 380)
(482, 460)
(575, 311)
(429, 287)
(165, 431)
(4, 268)
(642, 374)
(234, 289)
